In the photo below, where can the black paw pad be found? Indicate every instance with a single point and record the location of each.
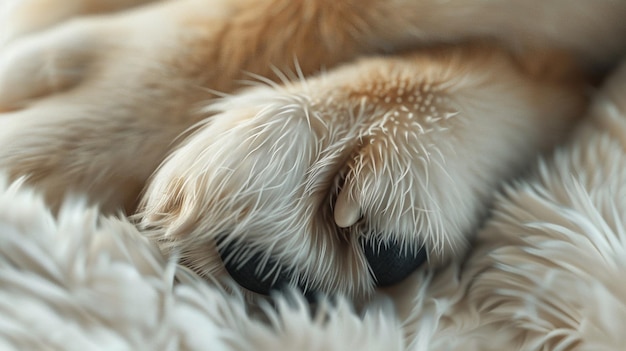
(250, 270)
(390, 263)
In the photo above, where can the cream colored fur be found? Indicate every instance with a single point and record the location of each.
(545, 274)
(422, 109)
(86, 282)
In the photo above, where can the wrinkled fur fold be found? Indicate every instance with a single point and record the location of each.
(545, 274)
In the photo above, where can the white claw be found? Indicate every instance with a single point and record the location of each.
(347, 210)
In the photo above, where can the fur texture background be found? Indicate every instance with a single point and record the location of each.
(442, 125)
(545, 275)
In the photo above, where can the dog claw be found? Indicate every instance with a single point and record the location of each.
(347, 210)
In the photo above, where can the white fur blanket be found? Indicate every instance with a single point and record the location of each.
(546, 273)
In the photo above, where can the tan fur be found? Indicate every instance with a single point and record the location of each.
(95, 104)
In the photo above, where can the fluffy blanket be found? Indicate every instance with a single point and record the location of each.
(546, 273)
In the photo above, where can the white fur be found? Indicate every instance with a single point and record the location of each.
(88, 282)
(94, 105)
(545, 274)
(266, 170)
(546, 271)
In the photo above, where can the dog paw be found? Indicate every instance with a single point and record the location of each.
(352, 180)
